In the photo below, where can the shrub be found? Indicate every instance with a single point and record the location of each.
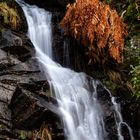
(136, 80)
(97, 26)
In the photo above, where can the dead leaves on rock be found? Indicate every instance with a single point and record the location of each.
(97, 26)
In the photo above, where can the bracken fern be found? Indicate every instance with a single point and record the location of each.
(97, 26)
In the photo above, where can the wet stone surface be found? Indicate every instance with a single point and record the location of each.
(25, 101)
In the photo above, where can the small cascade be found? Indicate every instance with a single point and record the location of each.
(118, 118)
(76, 93)
(39, 29)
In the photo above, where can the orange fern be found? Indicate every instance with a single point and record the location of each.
(97, 26)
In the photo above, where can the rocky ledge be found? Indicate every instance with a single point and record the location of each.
(25, 102)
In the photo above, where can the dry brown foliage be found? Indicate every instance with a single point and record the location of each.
(10, 15)
(43, 134)
(97, 26)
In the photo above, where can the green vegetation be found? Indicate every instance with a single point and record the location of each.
(22, 135)
(132, 17)
(132, 64)
(136, 80)
(8, 15)
(129, 71)
(132, 56)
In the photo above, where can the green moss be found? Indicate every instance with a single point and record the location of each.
(110, 85)
(24, 135)
(132, 17)
(131, 10)
(136, 80)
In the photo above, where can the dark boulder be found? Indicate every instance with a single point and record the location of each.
(16, 44)
(32, 109)
(24, 89)
(29, 110)
(22, 73)
(7, 60)
(111, 114)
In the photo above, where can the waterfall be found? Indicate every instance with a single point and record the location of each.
(76, 93)
(118, 118)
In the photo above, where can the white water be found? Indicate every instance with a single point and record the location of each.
(75, 92)
(119, 119)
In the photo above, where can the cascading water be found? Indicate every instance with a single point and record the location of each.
(75, 92)
(118, 118)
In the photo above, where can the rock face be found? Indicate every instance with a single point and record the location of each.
(25, 101)
(8, 82)
(25, 94)
(30, 109)
(15, 45)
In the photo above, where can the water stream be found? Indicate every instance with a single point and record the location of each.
(76, 94)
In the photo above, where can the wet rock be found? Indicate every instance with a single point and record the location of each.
(5, 121)
(16, 44)
(22, 73)
(6, 134)
(104, 98)
(5, 114)
(21, 77)
(24, 88)
(7, 60)
(131, 115)
(9, 39)
(29, 110)
(30, 65)
(6, 92)
(19, 67)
